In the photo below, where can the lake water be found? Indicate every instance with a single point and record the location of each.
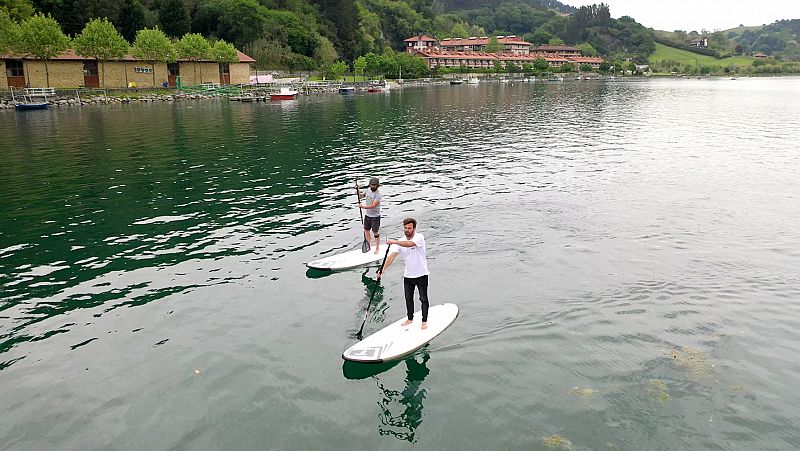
(625, 255)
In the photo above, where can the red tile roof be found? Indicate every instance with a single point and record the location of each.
(420, 38)
(482, 41)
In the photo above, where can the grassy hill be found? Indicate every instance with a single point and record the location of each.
(670, 56)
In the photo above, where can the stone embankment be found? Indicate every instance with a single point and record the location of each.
(65, 100)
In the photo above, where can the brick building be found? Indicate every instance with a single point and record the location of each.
(69, 70)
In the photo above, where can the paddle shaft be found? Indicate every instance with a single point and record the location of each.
(365, 243)
(360, 333)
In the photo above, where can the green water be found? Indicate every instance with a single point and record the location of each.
(624, 255)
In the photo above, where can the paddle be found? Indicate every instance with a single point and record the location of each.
(360, 333)
(365, 244)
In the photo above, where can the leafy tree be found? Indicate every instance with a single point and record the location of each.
(556, 41)
(527, 68)
(133, 16)
(541, 65)
(174, 17)
(493, 46)
(17, 10)
(359, 65)
(154, 46)
(100, 40)
(511, 68)
(605, 67)
(41, 37)
(194, 47)
(343, 16)
(338, 69)
(567, 67)
(498, 66)
(9, 31)
(224, 52)
(539, 37)
(586, 67)
(459, 30)
(586, 49)
(325, 55)
(240, 22)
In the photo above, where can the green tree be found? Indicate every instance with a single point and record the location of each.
(556, 41)
(194, 47)
(224, 52)
(586, 67)
(511, 68)
(567, 67)
(498, 66)
(174, 17)
(359, 66)
(17, 10)
(586, 49)
(338, 69)
(605, 67)
(541, 65)
(9, 32)
(326, 54)
(41, 37)
(540, 36)
(101, 41)
(153, 46)
(527, 68)
(459, 30)
(133, 16)
(493, 46)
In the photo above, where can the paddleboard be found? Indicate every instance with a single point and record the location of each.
(395, 341)
(347, 260)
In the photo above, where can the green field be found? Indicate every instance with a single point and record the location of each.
(683, 57)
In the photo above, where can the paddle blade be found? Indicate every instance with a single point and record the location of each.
(365, 246)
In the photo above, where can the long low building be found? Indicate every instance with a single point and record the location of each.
(481, 60)
(70, 70)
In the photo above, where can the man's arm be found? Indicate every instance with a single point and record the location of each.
(402, 243)
(374, 203)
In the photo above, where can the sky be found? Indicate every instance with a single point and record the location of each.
(695, 15)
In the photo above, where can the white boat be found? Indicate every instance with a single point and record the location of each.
(284, 94)
(473, 80)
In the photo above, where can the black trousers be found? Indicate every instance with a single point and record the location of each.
(422, 283)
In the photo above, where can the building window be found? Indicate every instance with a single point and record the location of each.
(224, 69)
(14, 68)
(174, 69)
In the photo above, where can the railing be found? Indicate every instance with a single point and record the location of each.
(40, 92)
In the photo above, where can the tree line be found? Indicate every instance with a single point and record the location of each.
(42, 37)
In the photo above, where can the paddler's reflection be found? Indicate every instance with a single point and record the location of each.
(377, 311)
(401, 411)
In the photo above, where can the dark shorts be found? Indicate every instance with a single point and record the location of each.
(373, 224)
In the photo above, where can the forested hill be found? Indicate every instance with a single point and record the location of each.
(307, 34)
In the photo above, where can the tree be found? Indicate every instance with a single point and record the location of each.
(41, 37)
(498, 66)
(9, 31)
(567, 67)
(586, 49)
(541, 65)
(338, 69)
(174, 17)
(154, 46)
(17, 10)
(586, 67)
(224, 52)
(132, 18)
(556, 41)
(540, 36)
(194, 47)
(493, 46)
(100, 40)
(359, 65)
(605, 67)
(325, 54)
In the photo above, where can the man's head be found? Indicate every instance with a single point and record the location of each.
(373, 184)
(409, 227)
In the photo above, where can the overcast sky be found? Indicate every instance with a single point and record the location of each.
(691, 15)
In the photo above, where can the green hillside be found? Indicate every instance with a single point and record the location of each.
(666, 58)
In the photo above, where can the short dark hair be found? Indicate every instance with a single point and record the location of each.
(410, 221)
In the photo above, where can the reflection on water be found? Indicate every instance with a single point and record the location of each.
(401, 410)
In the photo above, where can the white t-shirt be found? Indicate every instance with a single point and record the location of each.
(416, 263)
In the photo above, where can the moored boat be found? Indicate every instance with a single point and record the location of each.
(284, 94)
(347, 90)
(456, 81)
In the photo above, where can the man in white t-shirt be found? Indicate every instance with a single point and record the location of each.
(416, 274)
(372, 211)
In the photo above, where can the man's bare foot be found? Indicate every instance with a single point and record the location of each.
(406, 322)
(424, 325)
(376, 250)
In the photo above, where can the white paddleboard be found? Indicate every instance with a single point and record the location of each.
(395, 341)
(350, 259)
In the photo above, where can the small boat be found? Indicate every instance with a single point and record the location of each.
(456, 81)
(378, 87)
(347, 90)
(284, 94)
(28, 103)
(473, 81)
